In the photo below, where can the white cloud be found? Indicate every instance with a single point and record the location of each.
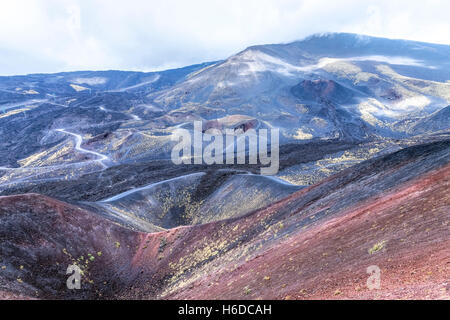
(63, 35)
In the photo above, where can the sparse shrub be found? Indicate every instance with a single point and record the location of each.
(377, 247)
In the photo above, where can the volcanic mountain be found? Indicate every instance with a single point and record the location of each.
(86, 176)
(390, 212)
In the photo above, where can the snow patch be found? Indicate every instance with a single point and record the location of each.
(141, 84)
(91, 81)
(412, 103)
(398, 60)
(257, 61)
(372, 108)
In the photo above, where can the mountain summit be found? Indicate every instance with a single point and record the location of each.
(86, 176)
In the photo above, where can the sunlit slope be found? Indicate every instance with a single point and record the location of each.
(344, 88)
(327, 86)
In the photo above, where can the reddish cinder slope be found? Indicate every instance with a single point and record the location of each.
(310, 245)
(391, 212)
(329, 260)
(40, 237)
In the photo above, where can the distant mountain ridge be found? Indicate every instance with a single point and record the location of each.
(329, 87)
(86, 177)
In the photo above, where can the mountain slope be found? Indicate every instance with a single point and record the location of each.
(334, 86)
(86, 176)
(316, 243)
(376, 82)
(195, 198)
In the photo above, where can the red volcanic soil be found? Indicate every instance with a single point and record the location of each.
(304, 248)
(330, 260)
(40, 237)
(322, 261)
(322, 89)
(392, 212)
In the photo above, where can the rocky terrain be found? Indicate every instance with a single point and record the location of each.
(391, 212)
(86, 177)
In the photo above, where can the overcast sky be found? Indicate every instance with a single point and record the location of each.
(67, 35)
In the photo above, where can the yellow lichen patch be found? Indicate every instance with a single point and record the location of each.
(301, 135)
(348, 70)
(377, 247)
(133, 144)
(343, 68)
(369, 118)
(13, 112)
(233, 202)
(428, 87)
(181, 199)
(203, 253)
(48, 157)
(31, 91)
(77, 87)
(310, 173)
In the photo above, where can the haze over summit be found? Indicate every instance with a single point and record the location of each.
(53, 36)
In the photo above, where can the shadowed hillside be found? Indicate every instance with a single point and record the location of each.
(391, 212)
